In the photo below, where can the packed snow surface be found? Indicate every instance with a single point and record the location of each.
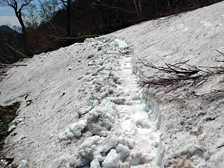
(82, 107)
(92, 117)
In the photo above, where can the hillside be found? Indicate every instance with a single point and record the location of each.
(83, 105)
(5, 28)
(9, 38)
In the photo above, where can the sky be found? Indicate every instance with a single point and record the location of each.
(7, 16)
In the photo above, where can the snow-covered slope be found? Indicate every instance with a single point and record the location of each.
(193, 117)
(81, 105)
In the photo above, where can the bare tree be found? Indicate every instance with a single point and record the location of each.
(110, 10)
(18, 6)
(31, 17)
(48, 9)
(67, 5)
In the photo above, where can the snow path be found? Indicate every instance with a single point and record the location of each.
(135, 139)
(97, 119)
(193, 125)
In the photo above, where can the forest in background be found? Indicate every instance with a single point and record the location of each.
(59, 23)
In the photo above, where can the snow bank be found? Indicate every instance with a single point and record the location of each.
(117, 138)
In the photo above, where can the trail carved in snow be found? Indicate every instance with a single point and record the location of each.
(86, 109)
(80, 105)
(126, 128)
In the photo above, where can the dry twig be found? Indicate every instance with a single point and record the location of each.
(174, 76)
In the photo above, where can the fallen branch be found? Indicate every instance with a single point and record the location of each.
(174, 76)
(12, 65)
(220, 52)
(76, 38)
(16, 51)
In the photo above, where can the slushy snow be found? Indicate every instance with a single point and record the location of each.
(114, 127)
(81, 105)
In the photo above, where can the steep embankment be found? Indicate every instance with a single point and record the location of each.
(81, 106)
(193, 113)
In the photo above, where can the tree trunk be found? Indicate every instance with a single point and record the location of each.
(69, 17)
(136, 7)
(140, 6)
(168, 3)
(25, 44)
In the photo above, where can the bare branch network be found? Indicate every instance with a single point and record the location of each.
(15, 3)
(174, 76)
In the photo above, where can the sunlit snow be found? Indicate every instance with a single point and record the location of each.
(82, 107)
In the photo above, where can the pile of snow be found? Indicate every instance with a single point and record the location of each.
(81, 105)
(116, 116)
(113, 127)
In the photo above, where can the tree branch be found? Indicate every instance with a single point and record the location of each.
(27, 2)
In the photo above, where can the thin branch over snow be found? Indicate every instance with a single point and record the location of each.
(175, 76)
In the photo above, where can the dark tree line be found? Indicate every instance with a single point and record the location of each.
(56, 23)
(18, 6)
